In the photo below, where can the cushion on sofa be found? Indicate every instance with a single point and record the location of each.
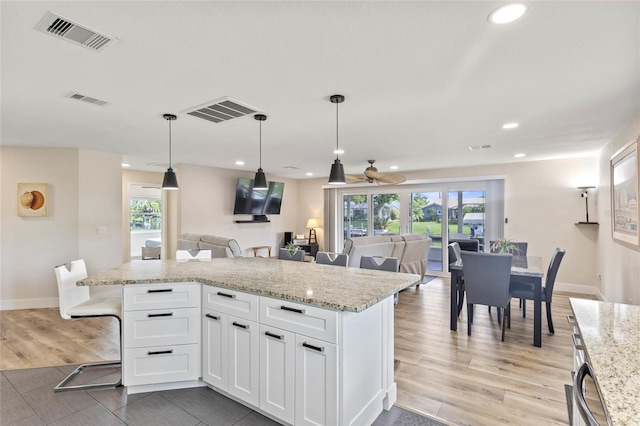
(357, 251)
(414, 257)
(219, 246)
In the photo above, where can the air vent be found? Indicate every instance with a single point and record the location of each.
(58, 26)
(88, 99)
(479, 147)
(223, 109)
(291, 167)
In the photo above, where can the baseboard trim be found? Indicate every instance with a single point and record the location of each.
(576, 288)
(12, 304)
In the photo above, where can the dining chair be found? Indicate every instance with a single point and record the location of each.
(335, 259)
(76, 302)
(454, 256)
(285, 254)
(486, 282)
(193, 254)
(379, 263)
(524, 291)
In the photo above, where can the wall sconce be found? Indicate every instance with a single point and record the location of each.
(584, 193)
(312, 223)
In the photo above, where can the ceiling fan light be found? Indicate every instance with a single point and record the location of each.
(260, 181)
(336, 177)
(170, 182)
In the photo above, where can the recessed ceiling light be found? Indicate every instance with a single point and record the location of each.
(520, 155)
(507, 13)
(393, 167)
(338, 151)
(126, 165)
(510, 126)
(309, 174)
(239, 163)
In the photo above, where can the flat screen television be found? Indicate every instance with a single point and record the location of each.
(258, 202)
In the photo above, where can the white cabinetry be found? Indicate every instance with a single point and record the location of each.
(302, 364)
(161, 336)
(230, 352)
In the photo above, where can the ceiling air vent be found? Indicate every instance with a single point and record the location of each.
(223, 109)
(88, 99)
(75, 33)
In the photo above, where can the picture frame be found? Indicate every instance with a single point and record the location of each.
(33, 199)
(624, 194)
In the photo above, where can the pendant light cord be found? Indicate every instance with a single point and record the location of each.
(337, 145)
(260, 145)
(169, 143)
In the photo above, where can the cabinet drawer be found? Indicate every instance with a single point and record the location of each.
(231, 302)
(161, 327)
(161, 296)
(301, 319)
(161, 364)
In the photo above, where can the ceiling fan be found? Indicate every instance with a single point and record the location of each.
(371, 175)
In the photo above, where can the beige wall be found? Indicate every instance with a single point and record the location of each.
(619, 265)
(84, 193)
(206, 207)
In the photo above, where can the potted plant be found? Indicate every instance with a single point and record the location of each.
(292, 248)
(504, 245)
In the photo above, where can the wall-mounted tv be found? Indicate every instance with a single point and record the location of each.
(258, 201)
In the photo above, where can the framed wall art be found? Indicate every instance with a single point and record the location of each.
(624, 194)
(33, 199)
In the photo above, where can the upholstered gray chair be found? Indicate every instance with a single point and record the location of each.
(285, 254)
(524, 291)
(389, 264)
(335, 259)
(486, 282)
(75, 302)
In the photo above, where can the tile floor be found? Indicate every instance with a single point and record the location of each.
(27, 398)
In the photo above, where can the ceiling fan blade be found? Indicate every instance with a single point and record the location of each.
(390, 179)
(356, 178)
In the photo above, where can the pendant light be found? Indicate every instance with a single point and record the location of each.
(260, 181)
(336, 177)
(170, 181)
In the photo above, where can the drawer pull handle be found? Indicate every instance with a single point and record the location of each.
(230, 296)
(571, 319)
(161, 290)
(315, 348)
(237, 324)
(296, 310)
(169, 314)
(212, 317)
(579, 346)
(161, 352)
(275, 336)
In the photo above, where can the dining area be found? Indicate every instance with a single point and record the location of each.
(497, 277)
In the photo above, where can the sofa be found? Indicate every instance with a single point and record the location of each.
(411, 249)
(219, 246)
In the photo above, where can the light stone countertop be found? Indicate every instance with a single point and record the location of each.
(327, 286)
(611, 336)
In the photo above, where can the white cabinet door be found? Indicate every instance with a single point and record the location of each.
(316, 379)
(215, 349)
(277, 374)
(243, 359)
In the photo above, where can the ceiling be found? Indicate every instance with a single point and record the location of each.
(423, 81)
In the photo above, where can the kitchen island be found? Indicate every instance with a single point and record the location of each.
(302, 343)
(610, 335)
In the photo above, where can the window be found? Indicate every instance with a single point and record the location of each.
(145, 214)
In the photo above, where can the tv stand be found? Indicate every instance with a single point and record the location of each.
(257, 218)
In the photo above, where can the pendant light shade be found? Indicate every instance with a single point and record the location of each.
(170, 181)
(260, 181)
(336, 177)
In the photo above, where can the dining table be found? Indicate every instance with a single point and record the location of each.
(524, 269)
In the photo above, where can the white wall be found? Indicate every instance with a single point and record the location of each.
(206, 207)
(84, 192)
(619, 265)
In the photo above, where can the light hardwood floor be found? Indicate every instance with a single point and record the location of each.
(460, 379)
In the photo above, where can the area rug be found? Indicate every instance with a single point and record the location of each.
(428, 278)
(400, 417)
